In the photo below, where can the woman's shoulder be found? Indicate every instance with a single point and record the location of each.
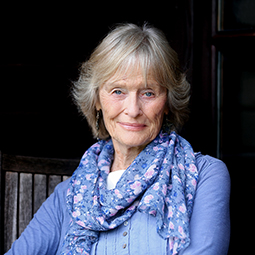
(211, 168)
(205, 161)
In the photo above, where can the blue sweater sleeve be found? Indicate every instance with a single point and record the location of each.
(210, 222)
(42, 235)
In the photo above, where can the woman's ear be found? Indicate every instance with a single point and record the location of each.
(166, 111)
(98, 106)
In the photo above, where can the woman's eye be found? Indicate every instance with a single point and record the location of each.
(117, 92)
(148, 94)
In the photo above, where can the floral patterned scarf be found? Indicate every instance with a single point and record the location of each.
(161, 181)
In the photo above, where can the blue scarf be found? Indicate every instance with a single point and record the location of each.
(161, 181)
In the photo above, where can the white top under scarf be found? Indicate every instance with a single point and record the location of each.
(113, 178)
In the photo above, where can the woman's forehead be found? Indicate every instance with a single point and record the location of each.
(132, 74)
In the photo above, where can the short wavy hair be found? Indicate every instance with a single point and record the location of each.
(129, 47)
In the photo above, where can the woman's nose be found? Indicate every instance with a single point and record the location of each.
(133, 107)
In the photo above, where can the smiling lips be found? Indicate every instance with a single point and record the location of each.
(132, 126)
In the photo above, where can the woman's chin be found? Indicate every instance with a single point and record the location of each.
(134, 138)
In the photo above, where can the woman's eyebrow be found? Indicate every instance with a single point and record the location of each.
(123, 83)
(114, 84)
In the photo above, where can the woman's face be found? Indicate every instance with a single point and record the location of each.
(133, 112)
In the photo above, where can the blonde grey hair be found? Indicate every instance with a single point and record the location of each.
(129, 47)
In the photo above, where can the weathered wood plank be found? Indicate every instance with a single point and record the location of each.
(40, 190)
(10, 209)
(39, 165)
(25, 201)
(54, 180)
(65, 177)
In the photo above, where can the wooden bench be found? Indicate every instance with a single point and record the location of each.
(25, 184)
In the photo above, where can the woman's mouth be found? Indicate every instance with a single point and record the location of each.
(132, 126)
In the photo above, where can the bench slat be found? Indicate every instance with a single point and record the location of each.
(10, 209)
(25, 201)
(54, 180)
(40, 190)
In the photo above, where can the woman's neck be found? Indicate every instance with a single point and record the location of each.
(123, 157)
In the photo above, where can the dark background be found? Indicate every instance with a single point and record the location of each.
(43, 45)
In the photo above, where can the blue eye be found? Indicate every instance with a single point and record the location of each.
(117, 92)
(148, 94)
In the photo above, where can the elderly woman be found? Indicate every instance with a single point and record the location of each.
(140, 189)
